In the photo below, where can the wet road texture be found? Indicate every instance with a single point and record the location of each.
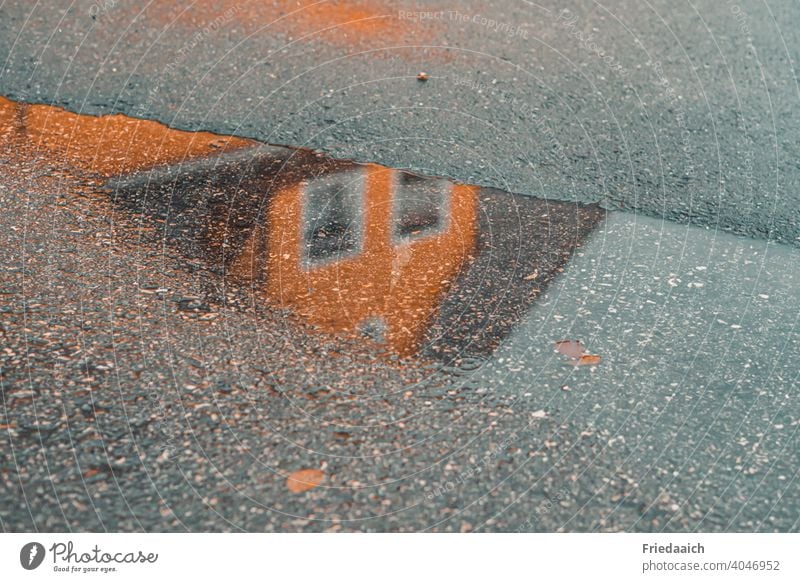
(550, 285)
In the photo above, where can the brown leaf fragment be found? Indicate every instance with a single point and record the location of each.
(587, 360)
(304, 479)
(571, 348)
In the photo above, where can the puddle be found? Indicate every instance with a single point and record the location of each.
(413, 264)
(108, 145)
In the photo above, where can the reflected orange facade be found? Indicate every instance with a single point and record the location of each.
(9, 119)
(108, 145)
(389, 285)
(408, 236)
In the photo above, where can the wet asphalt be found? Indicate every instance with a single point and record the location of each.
(145, 389)
(684, 113)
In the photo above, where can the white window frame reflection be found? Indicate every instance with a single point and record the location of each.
(405, 198)
(341, 195)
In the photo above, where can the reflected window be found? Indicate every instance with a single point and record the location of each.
(333, 217)
(421, 206)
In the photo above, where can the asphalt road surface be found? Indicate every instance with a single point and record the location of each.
(681, 111)
(188, 320)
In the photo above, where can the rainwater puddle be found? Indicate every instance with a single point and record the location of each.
(415, 265)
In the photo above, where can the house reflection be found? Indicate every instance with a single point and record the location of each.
(418, 265)
(367, 250)
(421, 266)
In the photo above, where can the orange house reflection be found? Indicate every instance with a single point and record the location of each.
(354, 249)
(367, 251)
(108, 145)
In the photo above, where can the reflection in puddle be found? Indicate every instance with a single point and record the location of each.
(108, 145)
(417, 265)
(360, 251)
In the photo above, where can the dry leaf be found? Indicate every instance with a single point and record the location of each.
(588, 360)
(304, 479)
(574, 349)
(570, 348)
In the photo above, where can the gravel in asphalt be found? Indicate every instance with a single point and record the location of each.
(148, 384)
